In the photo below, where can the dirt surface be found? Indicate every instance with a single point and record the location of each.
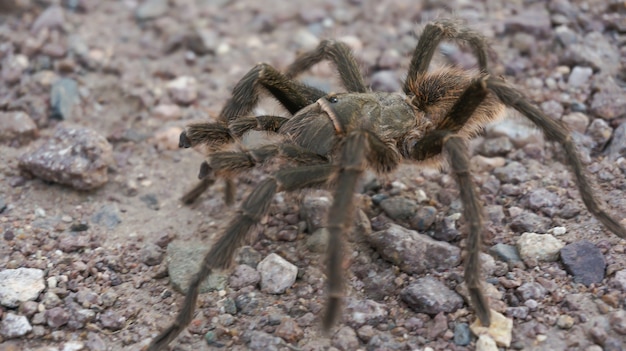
(144, 69)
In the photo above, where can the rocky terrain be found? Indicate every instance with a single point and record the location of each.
(96, 246)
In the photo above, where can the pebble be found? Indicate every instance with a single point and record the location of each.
(542, 198)
(243, 275)
(183, 261)
(500, 330)
(520, 312)
(20, 285)
(576, 121)
(318, 241)
(289, 330)
(13, 67)
(429, 295)
(112, 320)
(600, 132)
(108, 216)
(167, 112)
(183, 90)
(609, 102)
(514, 172)
(345, 339)
(399, 208)
(151, 9)
(63, 98)
(565, 321)
(360, 312)
(14, 326)
(530, 222)
(17, 128)
(423, 218)
(414, 252)
(584, 261)
(617, 147)
(535, 248)
(533, 20)
(519, 134)
(506, 253)
(619, 281)
(277, 274)
(151, 254)
(595, 51)
(462, 335)
(57, 317)
(50, 18)
(531, 290)
(486, 343)
(617, 321)
(78, 157)
(579, 76)
(262, 341)
(314, 210)
(492, 147)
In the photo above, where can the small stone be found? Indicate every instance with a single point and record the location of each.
(167, 112)
(423, 218)
(151, 9)
(542, 198)
(14, 326)
(610, 101)
(289, 330)
(506, 253)
(486, 343)
(576, 121)
(429, 295)
(584, 261)
(112, 320)
(151, 254)
(617, 147)
(519, 133)
(579, 76)
(57, 317)
(499, 146)
(530, 222)
(533, 20)
(534, 248)
(619, 281)
(399, 208)
(462, 336)
(514, 173)
(63, 97)
(600, 132)
(531, 290)
(318, 241)
(20, 285)
(183, 90)
(151, 201)
(261, 341)
(486, 164)
(314, 210)
(500, 330)
(414, 252)
(243, 275)
(52, 17)
(520, 312)
(565, 322)
(17, 128)
(277, 274)
(78, 157)
(360, 312)
(184, 260)
(167, 138)
(345, 339)
(617, 320)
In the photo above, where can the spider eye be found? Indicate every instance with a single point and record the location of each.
(333, 99)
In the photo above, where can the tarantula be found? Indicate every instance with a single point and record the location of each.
(333, 138)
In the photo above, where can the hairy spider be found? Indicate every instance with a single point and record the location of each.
(336, 137)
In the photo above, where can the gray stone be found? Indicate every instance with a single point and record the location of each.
(541, 198)
(183, 262)
(151, 254)
(429, 295)
(360, 312)
(617, 147)
(261, 341)
(533, 20)
(619, 281)
(595, 51)
(318, 241)
(112, 320)
(17, 128)
(63, 98)
(600, 132)
(498, 146)
(506, 253)
(14, 326)
(584, 261)
(78, 157)
(243, 275)
(108, 216)
(345, 339)
(57, 317)
(414, 252)
(52, 17)
(576, 121)
(531, 290)
(20, 285)
(151, 9)
(514, 172)
(314, 209)
(535, 248)
(579, 76)
(399, 208)
(462, 335)
(277, 274)
(530, 222)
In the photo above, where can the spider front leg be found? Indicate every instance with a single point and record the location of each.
(253, 209)
(556, 131)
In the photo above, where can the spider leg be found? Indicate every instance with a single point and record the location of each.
(292, 94)
(358, 149)
(432, 35)
(557, 131)
(254, 207)
(340, 55)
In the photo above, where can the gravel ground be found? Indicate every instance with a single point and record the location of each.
(96, 245)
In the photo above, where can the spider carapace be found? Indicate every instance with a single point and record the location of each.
(332, 139)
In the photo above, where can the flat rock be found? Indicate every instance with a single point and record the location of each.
(78, 157)
(584, 261)
(414, 252)
(429, 295)
(20, 285)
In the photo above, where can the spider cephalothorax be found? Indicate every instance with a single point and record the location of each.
(338, 136)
